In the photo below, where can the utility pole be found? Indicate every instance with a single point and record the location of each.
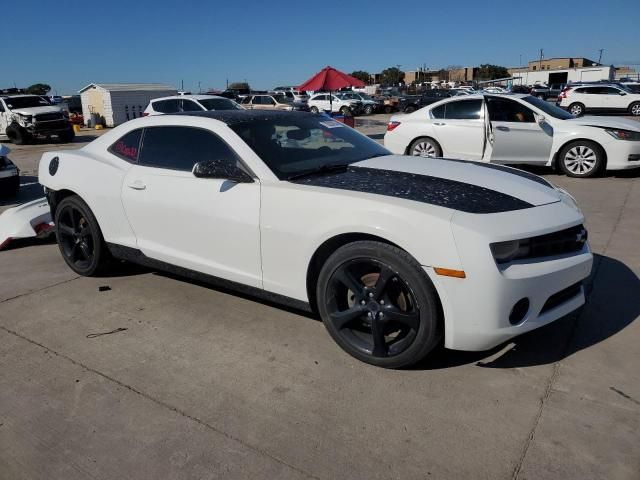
(398, 74)
(541, 55)
(600, 56)
(199, 89)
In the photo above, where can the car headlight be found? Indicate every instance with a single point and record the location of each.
(505, 252)
(26, 118)
(623, 134)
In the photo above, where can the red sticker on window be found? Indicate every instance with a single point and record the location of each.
(129, 152)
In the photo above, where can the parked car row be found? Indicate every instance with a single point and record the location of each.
(591, 98)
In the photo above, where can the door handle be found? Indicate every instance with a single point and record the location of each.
(137, 185)
(439, 124)
(502, 129)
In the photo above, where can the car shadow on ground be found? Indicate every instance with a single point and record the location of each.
(30, 190)
(542, 170)
(612, 304)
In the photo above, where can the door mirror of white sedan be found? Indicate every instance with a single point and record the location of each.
(223, 169)
(541, 119)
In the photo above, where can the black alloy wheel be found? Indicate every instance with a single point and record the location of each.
(79, 237)
(378, 304)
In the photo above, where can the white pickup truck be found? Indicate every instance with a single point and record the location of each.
(24, 117)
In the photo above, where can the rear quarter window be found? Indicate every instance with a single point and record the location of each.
(127, 147)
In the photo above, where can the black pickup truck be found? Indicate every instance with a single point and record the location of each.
(412, 103)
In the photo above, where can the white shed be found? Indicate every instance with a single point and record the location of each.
(118, 102)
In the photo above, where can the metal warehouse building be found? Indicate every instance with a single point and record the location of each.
(116, 103)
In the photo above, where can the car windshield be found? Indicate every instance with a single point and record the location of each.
(219, 104)
(548, 108)
(296, 144)
(26, 102)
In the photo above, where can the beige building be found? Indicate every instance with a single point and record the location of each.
(560, 63)
(115, 103)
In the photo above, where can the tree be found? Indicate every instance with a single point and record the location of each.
(491, 72)
(39, 89)
(362, 75)
(392, 75)
(239, 86)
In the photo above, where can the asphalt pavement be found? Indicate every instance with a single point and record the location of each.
(143, 375)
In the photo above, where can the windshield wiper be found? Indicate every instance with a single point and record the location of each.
(320, 170)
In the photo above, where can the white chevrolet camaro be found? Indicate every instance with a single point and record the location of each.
(512, 129)
(395, 253)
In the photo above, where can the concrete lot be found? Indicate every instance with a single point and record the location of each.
(207, 384)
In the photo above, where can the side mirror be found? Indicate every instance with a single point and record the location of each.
(622, 93)
(541, 119)
(223, 169)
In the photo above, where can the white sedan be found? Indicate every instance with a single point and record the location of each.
(516, 129)
(395, 253)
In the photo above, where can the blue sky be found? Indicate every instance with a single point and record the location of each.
(68, 44)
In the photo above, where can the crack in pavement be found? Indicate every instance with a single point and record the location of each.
(556, 366)
(40, 289)
(159, 402)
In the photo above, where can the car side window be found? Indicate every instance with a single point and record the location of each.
(246, 100)
(127, 147)
(269, 101)
(180, 148)
(463, 110)
(189, 106)
(610, 91)
(166, 106)
(438, 112)
(505, 110)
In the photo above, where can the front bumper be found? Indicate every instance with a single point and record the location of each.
(477, 308)
(622, 154)
(49, 127)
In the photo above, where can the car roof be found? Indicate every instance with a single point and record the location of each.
(193, 97)
(233, 117)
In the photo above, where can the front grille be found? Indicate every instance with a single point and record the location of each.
(45, 117)
(51, 126)
(561, 297)
(564, 241)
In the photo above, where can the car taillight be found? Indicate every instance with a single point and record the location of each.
(563, 93)
(392, 125)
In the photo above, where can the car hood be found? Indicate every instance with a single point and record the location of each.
(456, 184)
(36, 110)
(606, 122)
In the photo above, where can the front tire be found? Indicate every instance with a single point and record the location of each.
(368, 110)
(378, 304)
(634, 109)
(582, 159)
(314, 109)
(576, 109)
(410, 109)
(346, 111)
(18, 135)
(425, 147)
(80, 238)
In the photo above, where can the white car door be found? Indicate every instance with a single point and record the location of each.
(208, 225)
(459, 128)
(613, 98)
(3, 119)
(514, 133)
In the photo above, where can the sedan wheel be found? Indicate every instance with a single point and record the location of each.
(376, 304)
(576, 109)
(635, 109)
(79, 237)
(582, 159)
(314, 109)
(425, 147)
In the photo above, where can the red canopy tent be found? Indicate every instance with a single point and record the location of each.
(330, 79)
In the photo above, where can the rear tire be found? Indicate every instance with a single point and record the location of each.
(346, 111)
(314, 109)
(378, 304)
(576, 109)
(425, 147)
(410, 109)
(80, 238)
(368, 110)
(634, 109)
(581, 159)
